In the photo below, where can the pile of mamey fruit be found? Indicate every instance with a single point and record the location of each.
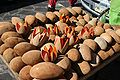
(64, 44)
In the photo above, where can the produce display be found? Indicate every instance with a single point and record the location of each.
(65, 44)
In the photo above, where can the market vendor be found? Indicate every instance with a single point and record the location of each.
(52, 4)
(115, 14)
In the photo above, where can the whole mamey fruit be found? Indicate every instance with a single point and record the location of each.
(46, 70)
(16, 64)
(8, 54)
(32, 57)
(25, 73)
(23, 47)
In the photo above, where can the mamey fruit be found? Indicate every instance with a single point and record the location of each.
(46, 70)
(16, 64)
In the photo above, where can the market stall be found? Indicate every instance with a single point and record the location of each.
(68, 44)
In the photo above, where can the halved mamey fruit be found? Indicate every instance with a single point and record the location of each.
(49, 52)
(39, 36)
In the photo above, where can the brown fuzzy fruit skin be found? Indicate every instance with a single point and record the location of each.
(6, 26)
(30, 19)
(88, 26)
(36, 79)
(84, 12)
(23, 47)
(85, 52)
(116, 27)
(77, 9)
(93, 22)
(107, 30)
(114, 35)
(78, 28)
(73, 12)
(1, 42)
(51, 16)
(3, 47)
(86, 35)
(98, 31)
(41, 17)
(16, 64)
(116, 47)
(58, 14)
(100, 24)
(110, 52)
(25, 73)
(82, 22)
(64, 63)
(103, 55)
(80, 17)
(61, 26)
(15, 20)
(12, 41)
(106, 26)
(46, 70)
(64, 11)
(8, 54)
(73, 18)
(32, 57)
(90, 43)
(86, 17)
(9, 34)
(73, 55)
(84, 67)
(118, 32)
(74, 77)
(107, 37)
(101, 43)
